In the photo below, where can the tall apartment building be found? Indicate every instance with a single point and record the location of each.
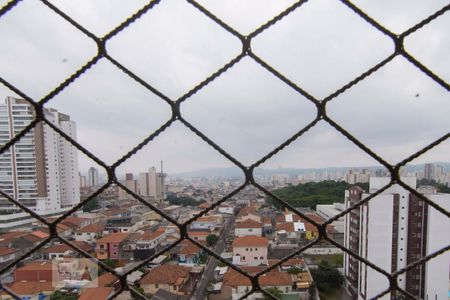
(131, 184)
(152, 184)
(357, 176)
(92, 177)
(41, 169)
(392, 230)
(429, 172)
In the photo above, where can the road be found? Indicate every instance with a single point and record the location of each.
(211, 264)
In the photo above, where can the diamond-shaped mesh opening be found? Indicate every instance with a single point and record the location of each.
(69, 68)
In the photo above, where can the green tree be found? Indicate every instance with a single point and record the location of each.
(212, 239)
(294, 270)
(58, 295)
(274, 291)
(183, 200)
(112, 263)
(312, 193)
(327, 277)
(91, 205)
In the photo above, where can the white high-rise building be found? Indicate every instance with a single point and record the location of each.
(41, 169)
(152, 184)
(92, 177)
(393, 230)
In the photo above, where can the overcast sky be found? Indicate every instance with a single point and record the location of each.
(247, 111)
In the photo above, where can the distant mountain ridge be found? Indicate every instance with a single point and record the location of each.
(236, 172)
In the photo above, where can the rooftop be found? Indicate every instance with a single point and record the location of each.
(113, 238)
(168, 274)
(249, 223)
(251, 240)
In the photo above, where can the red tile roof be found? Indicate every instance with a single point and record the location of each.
(106, 279)
(6, 251)
(98, 293)
(30, 287)
(150, 236)
(166, 274)
(250, 241)
(248, 223)
(96, 227)
(61, 248)
(289, 227)
(189, 248)
(113, 238)
(233, 278)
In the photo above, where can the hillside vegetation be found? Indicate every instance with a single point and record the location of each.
(312, 193)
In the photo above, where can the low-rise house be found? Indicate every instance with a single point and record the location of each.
(226, 209)
(236, 285)
(247, 213)
(122, 224)
(250, 251)
(204, 223)
(290, 232)
(311, 231)
(248, 227)
(73, 222)
(199, 235)
(37, 271)
(148, 243)
(97, 293)
(111, 245)
(90, 233)
(64, 250)
(189, 253)
(7, 255)
(29, 290)
(172, 278)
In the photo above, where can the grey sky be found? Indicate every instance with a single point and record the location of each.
(247, 111)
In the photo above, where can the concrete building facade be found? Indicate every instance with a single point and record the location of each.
(392, 230)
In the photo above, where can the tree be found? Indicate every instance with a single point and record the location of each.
(274, 291)
(327, 277)
(294, 270)
(183, 200)
(58, 295)
(91, 205)
(112, 263)
(212, 239)
(312, 193)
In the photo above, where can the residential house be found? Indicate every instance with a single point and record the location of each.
(38, 270)
(292, 232)
(90, 233)
(236, 285)
(172, 278)
(311, 231)
(226, 208)
(121, 223)
(204, 223)
(246, 213)
(199, 235)
(7, 255)
(148, 243)
(250, 250)
(111, 246)
(64, 250)
(248, 227)
(29, 290)
(97, 293)
(189, 253)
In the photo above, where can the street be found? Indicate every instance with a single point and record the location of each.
(208, 273)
